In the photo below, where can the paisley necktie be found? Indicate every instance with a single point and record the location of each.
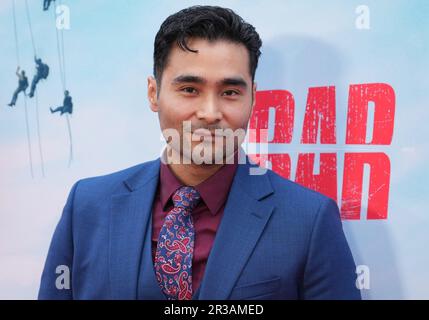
(175, 248)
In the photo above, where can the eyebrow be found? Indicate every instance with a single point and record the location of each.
(187, 78)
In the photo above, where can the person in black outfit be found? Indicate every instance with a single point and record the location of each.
(22, 86)
(67, 106)
(46, 4)
(42, 72)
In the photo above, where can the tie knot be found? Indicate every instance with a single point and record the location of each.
(186, 197)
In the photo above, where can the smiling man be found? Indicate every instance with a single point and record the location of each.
(196, 223)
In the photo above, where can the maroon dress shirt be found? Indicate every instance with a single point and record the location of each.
(206, 215)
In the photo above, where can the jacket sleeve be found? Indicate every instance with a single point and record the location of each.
(330, 269)
(56, 282)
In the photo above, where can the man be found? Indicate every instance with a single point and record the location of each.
(67, 106)
(179, 228)
(22, 86)
(46, 4)
(42, 72)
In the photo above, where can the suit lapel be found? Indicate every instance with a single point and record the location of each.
(129, 216)
(242, 225)
(244, 220)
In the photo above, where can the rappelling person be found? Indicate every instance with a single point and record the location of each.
(22, 86)
(46, 4)
(67, 106)
(42, 72)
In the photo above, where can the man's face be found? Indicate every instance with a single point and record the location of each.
(212, 89)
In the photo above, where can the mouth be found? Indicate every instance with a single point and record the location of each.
(206, 133)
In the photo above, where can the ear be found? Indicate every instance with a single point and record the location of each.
(152, 93)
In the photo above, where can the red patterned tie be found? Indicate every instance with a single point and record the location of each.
(173, 258)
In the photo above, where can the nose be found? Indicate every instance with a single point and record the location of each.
(209, 111)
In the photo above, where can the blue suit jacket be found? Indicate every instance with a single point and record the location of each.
(277, 240)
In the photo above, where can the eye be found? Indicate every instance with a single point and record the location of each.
(189, 90)
(230, 93)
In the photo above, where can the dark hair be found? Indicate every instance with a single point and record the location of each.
(206, 22)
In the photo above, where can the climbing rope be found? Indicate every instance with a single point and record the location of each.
(63, 77)
(63, 53)
(25, 98)
(28, 137)
(30, 28)
(60, 48)
(71, 141)
(38, 135)
(16, 32)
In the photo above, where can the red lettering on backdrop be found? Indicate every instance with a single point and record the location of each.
(383, 97)
(378, 193)
(320, 109)
(324, 182)
(320, 118)
(284, 104)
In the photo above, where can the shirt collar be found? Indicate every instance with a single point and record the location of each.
(214, 190)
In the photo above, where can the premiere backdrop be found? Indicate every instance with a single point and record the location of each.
(343, 93)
